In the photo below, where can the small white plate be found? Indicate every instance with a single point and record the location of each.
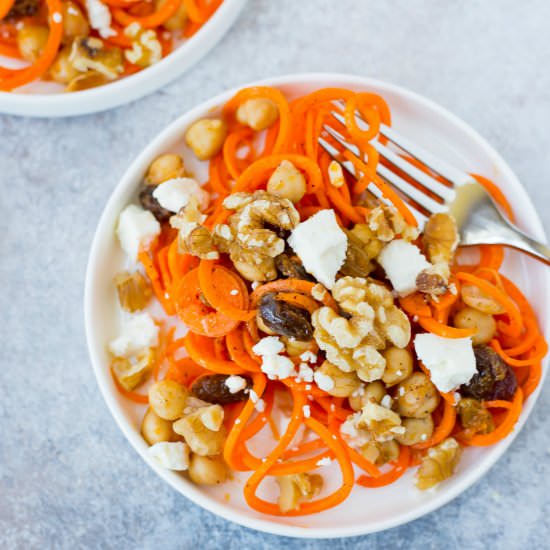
(366, 510)
(46, 99)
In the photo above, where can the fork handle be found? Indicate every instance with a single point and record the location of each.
(517, 239)
(535, 249)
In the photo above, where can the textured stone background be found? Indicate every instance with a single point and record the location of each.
(68, 478)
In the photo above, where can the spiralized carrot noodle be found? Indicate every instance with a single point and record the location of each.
(217, 313)
(123, 14)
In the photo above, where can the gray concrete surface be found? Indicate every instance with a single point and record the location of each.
(68, 478)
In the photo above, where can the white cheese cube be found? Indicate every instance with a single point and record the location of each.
(174, 194)
(321, 245)
(451, 361)
(136, 228)
(402, 262)
(173, 456)
(138, 333)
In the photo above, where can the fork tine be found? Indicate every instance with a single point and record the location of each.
(342, 141)
(371, 188)
(434, 163)
(410, 191)
(335, 154)
(412, 171)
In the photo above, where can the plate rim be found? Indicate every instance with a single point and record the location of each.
(133, 87)
(191, 492)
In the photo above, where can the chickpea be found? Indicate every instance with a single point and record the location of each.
(474, 297)
(167, 398)
(155, 429)
(207, 470)
(287, 182)
(399, 365)
(417, 430)
(257, 113)
(416, 396)
(484, 324)
(178, 20)
(164, 167)
(31, 40)
(374, 392)
(62, 70)
(74, 22)
(345, 383)
(205, 137)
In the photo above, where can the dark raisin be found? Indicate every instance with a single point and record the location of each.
(22, 8)
(285, 319)
(213, 389)
(290, 267)
(150, 203)
(494, 378)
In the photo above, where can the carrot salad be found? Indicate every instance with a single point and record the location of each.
(309, 324)
(82, 44)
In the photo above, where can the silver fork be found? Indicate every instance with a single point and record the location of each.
(479, 219)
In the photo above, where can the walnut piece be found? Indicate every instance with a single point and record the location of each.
(366, 240)
(440, 239)
(193, 237)
(296, 488)
(134, 290)
(382, 423)
(439, 464)
(387, 223)
(370, 322)
(255, 233)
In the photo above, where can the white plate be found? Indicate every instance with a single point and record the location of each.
(366, 510)
(44, 99)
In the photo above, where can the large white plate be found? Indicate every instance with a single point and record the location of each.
(366, 510)
(45, 99)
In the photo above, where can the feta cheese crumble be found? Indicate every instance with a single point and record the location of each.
(321, 245)
(402, 262)
(100, 18)
(138, 333)
(235, 383)
(325, 461)
(308, 357)
(324, 381)
(386, 401)
(174, 194)
(270, 345)
(174, 456)
(305, 373)
(136, 228)
(451, 361)
(276, 366)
